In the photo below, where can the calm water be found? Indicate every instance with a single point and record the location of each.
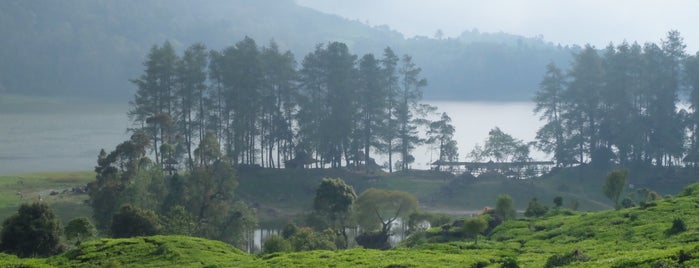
(66, 140)
(473, 121)
(70, 139)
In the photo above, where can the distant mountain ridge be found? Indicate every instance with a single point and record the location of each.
(93, 47)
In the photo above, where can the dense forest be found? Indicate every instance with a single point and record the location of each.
(622, 106)
(92, 48)
(335, 110)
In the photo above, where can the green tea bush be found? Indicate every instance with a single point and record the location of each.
(563, 260)
(678, 226)
(509, 262)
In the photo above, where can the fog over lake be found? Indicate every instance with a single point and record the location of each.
(70, 140)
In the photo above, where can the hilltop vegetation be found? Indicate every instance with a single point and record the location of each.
(656, 234)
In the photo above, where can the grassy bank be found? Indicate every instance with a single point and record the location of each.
(642, 236)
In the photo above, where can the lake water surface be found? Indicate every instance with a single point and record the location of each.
(41, 140)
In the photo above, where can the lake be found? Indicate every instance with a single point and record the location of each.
(59, 138)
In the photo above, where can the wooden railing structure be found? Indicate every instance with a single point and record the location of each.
(515, 170)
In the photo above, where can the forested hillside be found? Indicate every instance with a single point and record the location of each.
(93, 48)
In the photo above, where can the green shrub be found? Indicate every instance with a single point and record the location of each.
(627, 203)
(132, 221)
(535, 209)
(480, 264)
(289, 230)
(509, 262)
(558, 260)
(274, 244)
(678, 226)
(79, 229)
(683, 256)
(415, 239)
(306, 239)
(558, 201)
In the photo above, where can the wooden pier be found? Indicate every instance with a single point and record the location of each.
(515, 170)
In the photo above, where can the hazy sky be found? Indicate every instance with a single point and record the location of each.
(559, 21)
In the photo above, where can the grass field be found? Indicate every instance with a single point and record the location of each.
(53, 188)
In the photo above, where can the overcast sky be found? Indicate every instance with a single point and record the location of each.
(559, 21)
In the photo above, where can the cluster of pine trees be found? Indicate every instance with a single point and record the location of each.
(621, 105)
(334, 110)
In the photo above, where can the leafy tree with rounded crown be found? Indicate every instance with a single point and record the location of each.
(132, 221)
(535, 209)
(377, 209)
(614, 185)
(475, 226)
(333, 200)
(33, 231)
(504, 208)
(79, 229)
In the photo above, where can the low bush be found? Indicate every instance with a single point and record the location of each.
(677, 227)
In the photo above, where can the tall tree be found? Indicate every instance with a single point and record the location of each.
(327, 113)
(372, 103)
(341, 101)
(154, 99)
(407, 109)
(279, 102)
(441, 133)
(583, 100)
(389, 132)
(665, 136)
(191, 75)
(550, 104)
(692, 72)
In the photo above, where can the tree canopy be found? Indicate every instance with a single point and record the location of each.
(620, 106)
(378, 209)
(33, 231)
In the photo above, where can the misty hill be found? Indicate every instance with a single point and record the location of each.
(93, 48)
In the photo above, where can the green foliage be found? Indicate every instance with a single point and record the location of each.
(501, 147)
(306, 239)
(558, 201)
(434, 219)
(509, 262)
(678, 226)
(614, 184)
(289, 230)
(475, 226)
(275, 244)
(504, 208)
(80, 229)
(334, 198)
(178, 220)
(132, 221)
(33, 231)
(377, 209)
(564, 260)
(441, 133)
(535, 209)
(154, 251)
